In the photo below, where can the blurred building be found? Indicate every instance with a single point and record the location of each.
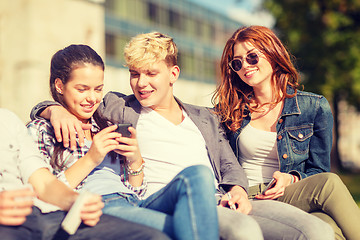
(199, 33)
(31, 31)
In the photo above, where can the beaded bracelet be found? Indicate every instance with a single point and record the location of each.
(137, 171)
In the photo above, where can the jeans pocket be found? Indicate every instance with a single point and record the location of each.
(113, 197)
(119, 200)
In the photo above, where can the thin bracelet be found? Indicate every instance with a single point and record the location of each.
(292, 179)
(137, 171)
(296, 179)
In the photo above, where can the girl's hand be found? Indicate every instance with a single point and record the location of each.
(282, 180)
(129, 148)
(104, 142)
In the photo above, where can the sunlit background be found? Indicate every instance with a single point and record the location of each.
(31, 31)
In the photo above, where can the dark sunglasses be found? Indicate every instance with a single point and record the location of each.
(251, 58)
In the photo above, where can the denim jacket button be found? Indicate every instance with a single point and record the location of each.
(285, 156)
(279, 137)
(300, 136)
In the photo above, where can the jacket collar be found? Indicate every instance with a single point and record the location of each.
(132, 110)
(194, 112)
(291, 105)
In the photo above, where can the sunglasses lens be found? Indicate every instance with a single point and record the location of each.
(236, 65)
(252, 58)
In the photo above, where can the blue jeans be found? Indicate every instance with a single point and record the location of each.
(184, 209)
(40, 226)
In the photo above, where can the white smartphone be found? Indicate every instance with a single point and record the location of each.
(72, 220)
(270, 185)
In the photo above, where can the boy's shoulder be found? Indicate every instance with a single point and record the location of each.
(203, 111)
(118, 98)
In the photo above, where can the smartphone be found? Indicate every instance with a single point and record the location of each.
(123, 128)
(270, 185)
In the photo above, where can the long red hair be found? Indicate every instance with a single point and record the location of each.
(232, 96)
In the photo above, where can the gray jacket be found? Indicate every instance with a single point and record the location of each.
(119, 108)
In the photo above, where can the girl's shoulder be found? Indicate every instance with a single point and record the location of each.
(305, 94)
(306, 100)
(41, 125)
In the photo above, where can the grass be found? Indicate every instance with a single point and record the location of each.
(352, 181)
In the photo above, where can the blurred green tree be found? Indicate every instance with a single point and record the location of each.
(324, 35)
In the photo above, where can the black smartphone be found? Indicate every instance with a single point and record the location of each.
(123, 128)
(270, 185)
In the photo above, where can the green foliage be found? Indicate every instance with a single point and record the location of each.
(324, 35)
(351, 180)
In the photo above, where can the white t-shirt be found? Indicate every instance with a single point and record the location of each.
(167, 148)
(20, 157)
(258, 154)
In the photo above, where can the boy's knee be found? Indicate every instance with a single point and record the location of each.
(200, 171)
(233, 225)
(204, 171)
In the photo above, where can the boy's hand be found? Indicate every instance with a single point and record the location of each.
(15, 206)
(91, 211)
(66, 125)
(129, 148)
(239, 199)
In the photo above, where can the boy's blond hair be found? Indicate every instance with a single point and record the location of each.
(146, 49)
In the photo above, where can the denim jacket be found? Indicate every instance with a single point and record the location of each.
(304, 134)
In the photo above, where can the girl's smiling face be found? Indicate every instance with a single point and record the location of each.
(258, 75)
(84, 90)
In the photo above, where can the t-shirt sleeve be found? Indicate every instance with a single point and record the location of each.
(29, 156)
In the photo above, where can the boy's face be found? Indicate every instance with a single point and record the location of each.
(152, 86)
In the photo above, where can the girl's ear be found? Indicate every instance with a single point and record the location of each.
(59, 86)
